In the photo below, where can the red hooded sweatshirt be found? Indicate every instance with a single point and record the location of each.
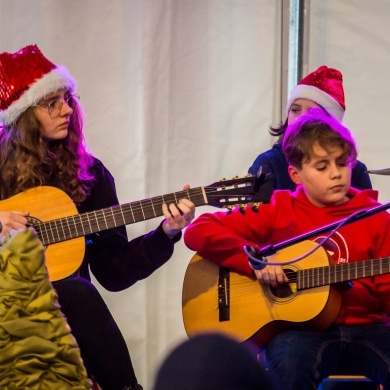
(221, 236)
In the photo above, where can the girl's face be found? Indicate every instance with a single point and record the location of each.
(53, 113)
(299, 107)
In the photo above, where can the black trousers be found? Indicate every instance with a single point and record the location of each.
(102, 346)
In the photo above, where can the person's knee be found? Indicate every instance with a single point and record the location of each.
(286, 349)
(77, 293)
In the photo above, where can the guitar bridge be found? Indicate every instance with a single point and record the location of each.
(224, 294)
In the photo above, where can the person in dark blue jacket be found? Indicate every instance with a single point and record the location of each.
(322, 88)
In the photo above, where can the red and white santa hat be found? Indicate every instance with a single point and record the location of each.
(26, 77)
(324, 86)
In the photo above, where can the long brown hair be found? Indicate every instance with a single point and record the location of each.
(27, 160)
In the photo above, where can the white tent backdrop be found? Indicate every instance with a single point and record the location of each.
(183, 91)
(354, 36)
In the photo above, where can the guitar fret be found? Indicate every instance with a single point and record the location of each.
(56, 230)
(311, 274)
(46, 234)
(334, 277)
(59, 227)
(89, 223)
(113, 217)
(329, 273)
(119, 216)
(148, 206)
(109, 218)
(130, 208)
(92, 221)
(50, 231)
(74, 224)
(170, 198)
(154, 211)
(142, 210)
(62, 227)
(78, 227)
(42, 234)
(122, 216)
(98, 222)
(80, 218)
(68, 225)
(138, 212)
(105, 221)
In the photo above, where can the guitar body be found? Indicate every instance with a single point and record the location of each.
(44, 204)
(256, 312)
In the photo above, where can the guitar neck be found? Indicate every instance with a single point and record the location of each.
(322, 276)
(63, 229)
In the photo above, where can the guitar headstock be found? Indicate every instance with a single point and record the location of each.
(250, 189)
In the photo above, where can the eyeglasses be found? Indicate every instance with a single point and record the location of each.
(54, 107)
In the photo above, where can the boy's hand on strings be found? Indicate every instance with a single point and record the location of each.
(271, 275)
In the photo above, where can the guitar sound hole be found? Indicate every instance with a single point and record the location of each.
(282, 291)
(31, 221)
(286, 290)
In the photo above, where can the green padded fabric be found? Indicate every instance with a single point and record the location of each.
(37, 349)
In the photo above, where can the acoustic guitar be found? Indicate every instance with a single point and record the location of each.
(218, 299)
(61, 228)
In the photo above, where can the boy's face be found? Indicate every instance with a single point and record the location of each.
(325, 177)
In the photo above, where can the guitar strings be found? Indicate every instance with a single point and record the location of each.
(64, 228)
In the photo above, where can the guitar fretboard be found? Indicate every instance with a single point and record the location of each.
(322, 276)
(63, 229)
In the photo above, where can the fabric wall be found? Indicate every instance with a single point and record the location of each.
(175, 92)
(354, 36)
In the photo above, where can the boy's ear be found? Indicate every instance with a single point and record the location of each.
(294, 174)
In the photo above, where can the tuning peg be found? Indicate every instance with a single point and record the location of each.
(255, 207)
(242, 209)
